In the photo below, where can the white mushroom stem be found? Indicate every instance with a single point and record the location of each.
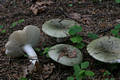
(31, 53)
(118, 61)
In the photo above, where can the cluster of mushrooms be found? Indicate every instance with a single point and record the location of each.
(105, 49)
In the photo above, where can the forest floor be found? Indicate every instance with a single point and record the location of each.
(97, 18)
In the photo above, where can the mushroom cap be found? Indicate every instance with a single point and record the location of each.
(105, 49)
(54, 54)
(29, 35)
(13, 49)
(32, 34)
(58, 28)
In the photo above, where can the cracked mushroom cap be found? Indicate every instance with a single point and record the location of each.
(57, 27)
(65, 54)
(29, 35)
(105, 49)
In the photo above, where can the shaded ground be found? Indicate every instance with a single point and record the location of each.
(93, 17)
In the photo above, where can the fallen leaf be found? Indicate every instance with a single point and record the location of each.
(60, 55)
(75, 16)
(27, 70)
(47, 70)
(37, 67)
(72, 54)
(44, 3)
(102, 70)
(34, 9)
(67, 52)
(40, 6)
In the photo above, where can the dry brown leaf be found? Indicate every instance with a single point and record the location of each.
(103, 24)
(47, 70)
(3, 49)
(40, 6)
(75, 16)
(28, 69)
(72, 54)
(68, 53)
(34, 9)
(37, 67)
(102, 70)
(60, 55)
(44, 3)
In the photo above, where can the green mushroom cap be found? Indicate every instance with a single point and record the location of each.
(57, 27)
(105, 49)
(56, 53)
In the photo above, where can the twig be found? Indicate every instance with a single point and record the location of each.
(66, 15)
(104, 30)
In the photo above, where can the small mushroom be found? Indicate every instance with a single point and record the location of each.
(58, 28)
(65, 54)
(22, 41)
(105, 49)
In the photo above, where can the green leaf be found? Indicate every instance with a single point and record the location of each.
(76, 68)
(115, 31)
(1, 26)
(106, 73)
(81, 72)
(76, 39)
(23, 78)
(70, 5)
(84, 65)
(70, 78)
(80, 45)
(92, 35)
(47, 55)
(20, 21)
(118, 36)
(14, 24)
(75, 29)
(25, 55)
(117, 1)
(37, 49)
(46, 50)
(80, 75)
(89, 73)
(117, 26)
(3, 31)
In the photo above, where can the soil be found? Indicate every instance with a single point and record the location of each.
(95, 17)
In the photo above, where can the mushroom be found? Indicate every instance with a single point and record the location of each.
(105, 49)
(58, 28)
(22, 41)
(65, 54)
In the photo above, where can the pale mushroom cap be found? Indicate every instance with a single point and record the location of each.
(13, 50)
(32, 34)
(18, 37)
(54, 53)
(29, 35)
(58, 28)
(105, 49)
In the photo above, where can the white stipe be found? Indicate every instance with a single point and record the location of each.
(31, 53)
